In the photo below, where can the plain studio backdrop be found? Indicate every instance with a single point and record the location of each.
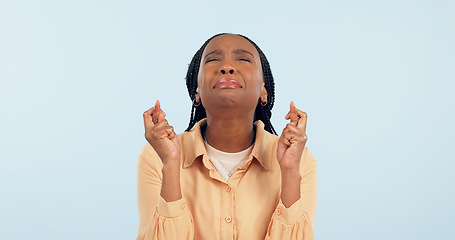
(376, 78)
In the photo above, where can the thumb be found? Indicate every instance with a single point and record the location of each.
(281, 148)
(161, 116)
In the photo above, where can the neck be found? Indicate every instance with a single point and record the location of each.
(230, 134)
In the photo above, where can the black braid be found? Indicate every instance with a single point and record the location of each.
(262, 113)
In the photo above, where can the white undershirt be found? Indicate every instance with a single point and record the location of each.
(226, 163)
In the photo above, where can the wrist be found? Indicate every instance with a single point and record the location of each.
(171, 164)
(290, 178)
(291, 173)
(171, 171)
(170, 185)
(290, 186)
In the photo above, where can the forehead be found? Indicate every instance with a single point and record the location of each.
(230, 42)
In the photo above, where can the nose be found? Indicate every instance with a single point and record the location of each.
(230, 71)
(227, 68)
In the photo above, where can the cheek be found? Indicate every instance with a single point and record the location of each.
(202, 81)
(200, 86)
(258, 74)
(200, 76)
(260, 81)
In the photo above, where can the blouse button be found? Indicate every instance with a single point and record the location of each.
(228, 189)
(183, 206)
(278, 211)
(228, 219)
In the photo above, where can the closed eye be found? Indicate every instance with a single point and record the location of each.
(211, 60)
(244, 59)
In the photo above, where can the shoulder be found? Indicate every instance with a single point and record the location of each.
(149, 158)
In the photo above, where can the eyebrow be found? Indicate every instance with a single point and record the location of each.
(237, 51)
(213, 52)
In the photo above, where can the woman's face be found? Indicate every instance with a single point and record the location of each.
(230, 74)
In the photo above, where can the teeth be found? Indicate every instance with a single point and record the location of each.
(223, 83)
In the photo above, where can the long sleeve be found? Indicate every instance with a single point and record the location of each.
(246, 207)
(159, 219)
(297, 221)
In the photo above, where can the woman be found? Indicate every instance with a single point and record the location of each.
(228, 176)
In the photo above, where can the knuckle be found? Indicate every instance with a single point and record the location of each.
(155, 134)
(288, 136)
(300, 139)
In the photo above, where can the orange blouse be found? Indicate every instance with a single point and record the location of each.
(246, 207)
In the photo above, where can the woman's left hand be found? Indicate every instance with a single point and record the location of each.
(292, 140)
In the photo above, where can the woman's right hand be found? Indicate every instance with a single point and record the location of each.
(161, 135)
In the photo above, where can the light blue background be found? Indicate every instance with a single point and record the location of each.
(376, 78)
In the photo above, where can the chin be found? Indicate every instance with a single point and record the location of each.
(227, 101)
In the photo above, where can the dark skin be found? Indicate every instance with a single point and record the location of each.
(230, 111)
(230, 85)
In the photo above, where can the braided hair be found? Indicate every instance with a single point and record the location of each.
(262, 113)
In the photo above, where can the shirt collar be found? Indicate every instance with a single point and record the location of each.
(263, 150)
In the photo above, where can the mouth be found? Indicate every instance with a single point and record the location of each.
(227, 83)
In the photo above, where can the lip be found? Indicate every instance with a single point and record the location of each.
(227, 83)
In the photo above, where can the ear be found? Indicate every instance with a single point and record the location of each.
(197, 95)
(263, 94)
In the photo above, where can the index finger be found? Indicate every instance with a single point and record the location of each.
(156, 112)
(293, 114)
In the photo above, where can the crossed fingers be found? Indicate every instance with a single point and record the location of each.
(154, 115)
(156, 124)
(295, 131)
(298, 118)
